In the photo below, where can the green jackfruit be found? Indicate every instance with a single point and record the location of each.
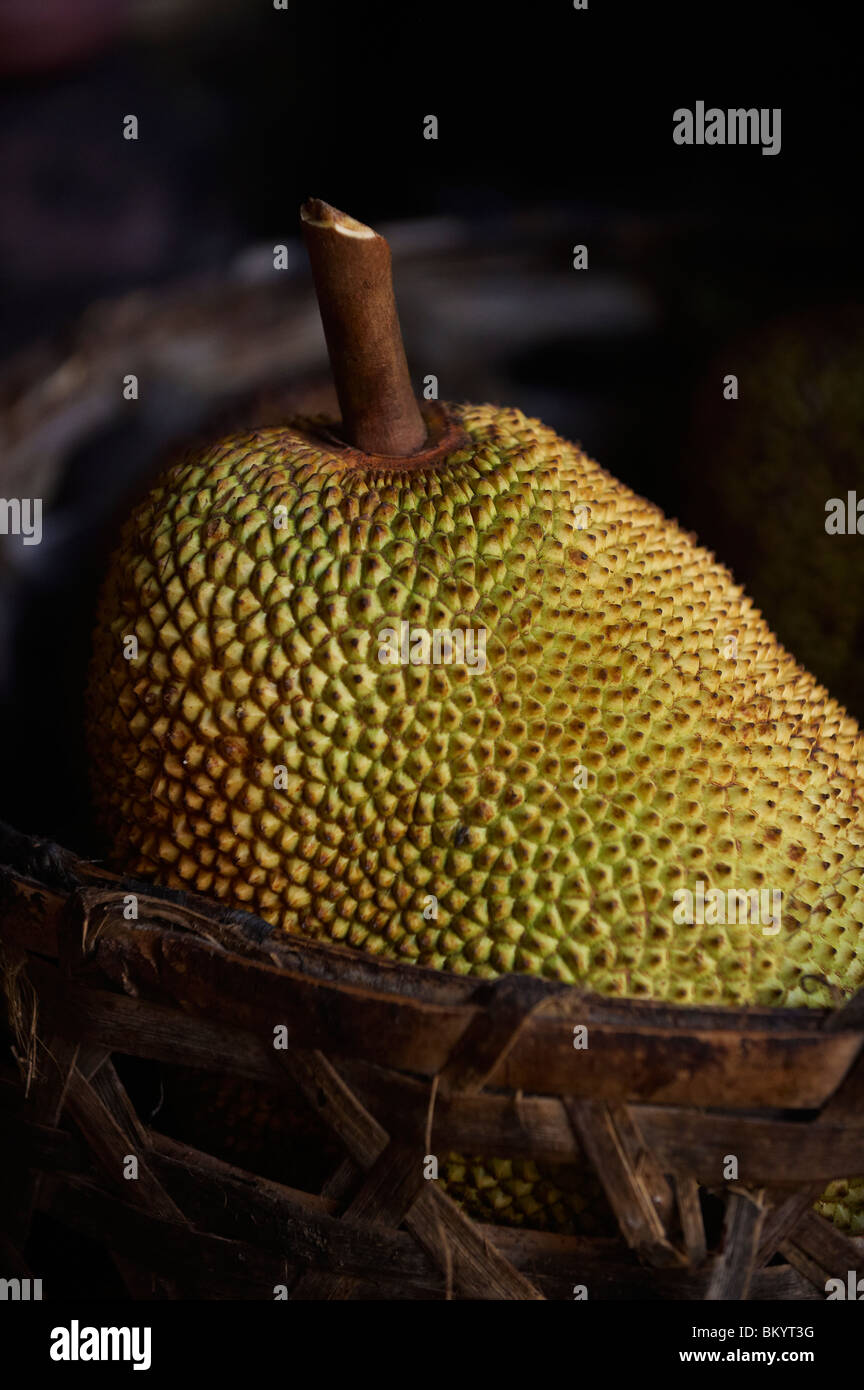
(616, 727)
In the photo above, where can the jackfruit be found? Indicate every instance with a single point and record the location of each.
(609, 726)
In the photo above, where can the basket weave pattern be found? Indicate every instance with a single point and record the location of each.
(400, 1064)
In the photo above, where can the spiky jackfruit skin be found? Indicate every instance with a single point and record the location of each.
(637, 728)
(566, 1198)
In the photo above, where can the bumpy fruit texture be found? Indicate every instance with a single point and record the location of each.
(637, 728)
(566, 1199)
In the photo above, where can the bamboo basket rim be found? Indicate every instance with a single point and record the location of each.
(231, 970)
(398, 1062)
(326, 960)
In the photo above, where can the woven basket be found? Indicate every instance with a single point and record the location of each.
(386, 1065)
(399, 1064)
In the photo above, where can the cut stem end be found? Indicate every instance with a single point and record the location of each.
(354, 283)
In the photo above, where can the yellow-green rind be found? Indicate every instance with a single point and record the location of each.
(637, 728)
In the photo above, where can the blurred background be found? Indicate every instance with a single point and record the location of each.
(155, 257)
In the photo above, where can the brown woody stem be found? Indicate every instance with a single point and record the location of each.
(353, 280)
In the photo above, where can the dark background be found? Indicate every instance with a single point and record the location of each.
(555, 129)
(245, 110)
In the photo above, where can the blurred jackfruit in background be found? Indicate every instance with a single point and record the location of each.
(768, 465)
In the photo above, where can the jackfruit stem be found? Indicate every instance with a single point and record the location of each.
(354, 284)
